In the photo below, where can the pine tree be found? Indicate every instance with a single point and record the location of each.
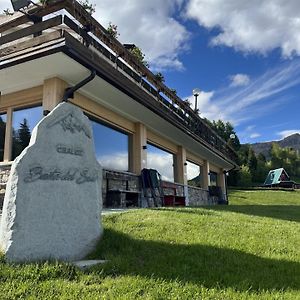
(252, 163)
(24, 134)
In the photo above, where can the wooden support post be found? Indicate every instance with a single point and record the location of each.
(139, 149)
(180, 166)
(8, 136)
(53, 92)
(206, 176)
(221, 182)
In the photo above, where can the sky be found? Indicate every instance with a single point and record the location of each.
(243, 55)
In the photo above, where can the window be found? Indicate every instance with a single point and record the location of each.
(193, 174)
(213, 178)
(111, 147)
(2, 134)
(23, 121)
(160, 160)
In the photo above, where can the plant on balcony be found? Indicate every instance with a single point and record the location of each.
(7, 12)
(138, 53)
(112, 30)
(89, 7)
(159, 77)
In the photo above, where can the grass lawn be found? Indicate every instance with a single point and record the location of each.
(247, 250)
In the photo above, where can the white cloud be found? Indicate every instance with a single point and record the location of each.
(116, 161)
(283, 134)
(4, 4)
(206, 107)
(244, 103)
(250, 127)
(149, 25)
(239, 80)
(251, 26)
(254, 135)
(162, 162)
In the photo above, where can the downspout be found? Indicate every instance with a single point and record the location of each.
(69, 92)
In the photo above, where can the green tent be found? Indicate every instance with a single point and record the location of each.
(276, 177)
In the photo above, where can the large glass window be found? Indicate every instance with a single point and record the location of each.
(193, 174)
(213, 178)
(2, 134)
(160, 160)
(24, 121)
(111, 147)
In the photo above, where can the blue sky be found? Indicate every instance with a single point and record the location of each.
(243, 55)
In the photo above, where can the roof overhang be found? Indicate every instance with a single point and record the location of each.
(64, 58)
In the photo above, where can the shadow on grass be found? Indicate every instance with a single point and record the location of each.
(198, 264)
(282, 212)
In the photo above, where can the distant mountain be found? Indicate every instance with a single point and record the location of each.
(292, 141)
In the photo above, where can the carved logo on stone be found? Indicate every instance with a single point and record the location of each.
(79, 176)
(71, 124)
(67, 149)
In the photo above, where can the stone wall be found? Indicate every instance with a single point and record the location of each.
(198, 197)
(4, 174)
(120, 189)
(129, 185)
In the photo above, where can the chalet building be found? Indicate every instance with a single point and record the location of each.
(59, 52)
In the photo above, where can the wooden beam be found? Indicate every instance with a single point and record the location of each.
(205, 176)
(139, 156)
(38, 27)
(30, 43)
(95, 109)
(221, 181)
(19, 18)
(28, 97)
(53, 91)
(180, 172)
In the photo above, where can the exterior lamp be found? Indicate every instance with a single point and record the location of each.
(196, 93)
(18, 4)
(232, 136)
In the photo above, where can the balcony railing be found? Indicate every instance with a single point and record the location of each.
(90, 33)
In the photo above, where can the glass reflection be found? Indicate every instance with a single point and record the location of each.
(193, 174)
(24, 121)
(111, 147)
(160, 160)
(2, 134)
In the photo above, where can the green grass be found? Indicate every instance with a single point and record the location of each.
(247, 250)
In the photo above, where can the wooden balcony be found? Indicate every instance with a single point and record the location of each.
(73, 31)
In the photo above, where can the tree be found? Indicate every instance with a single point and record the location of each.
(138, 53)
(24, 134)
(245, 177)
(112, 30)
(225, 131)
(252, 163)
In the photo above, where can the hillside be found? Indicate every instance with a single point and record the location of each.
(292, 141)
(247, 250)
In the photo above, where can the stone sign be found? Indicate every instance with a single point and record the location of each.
(52, 205)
